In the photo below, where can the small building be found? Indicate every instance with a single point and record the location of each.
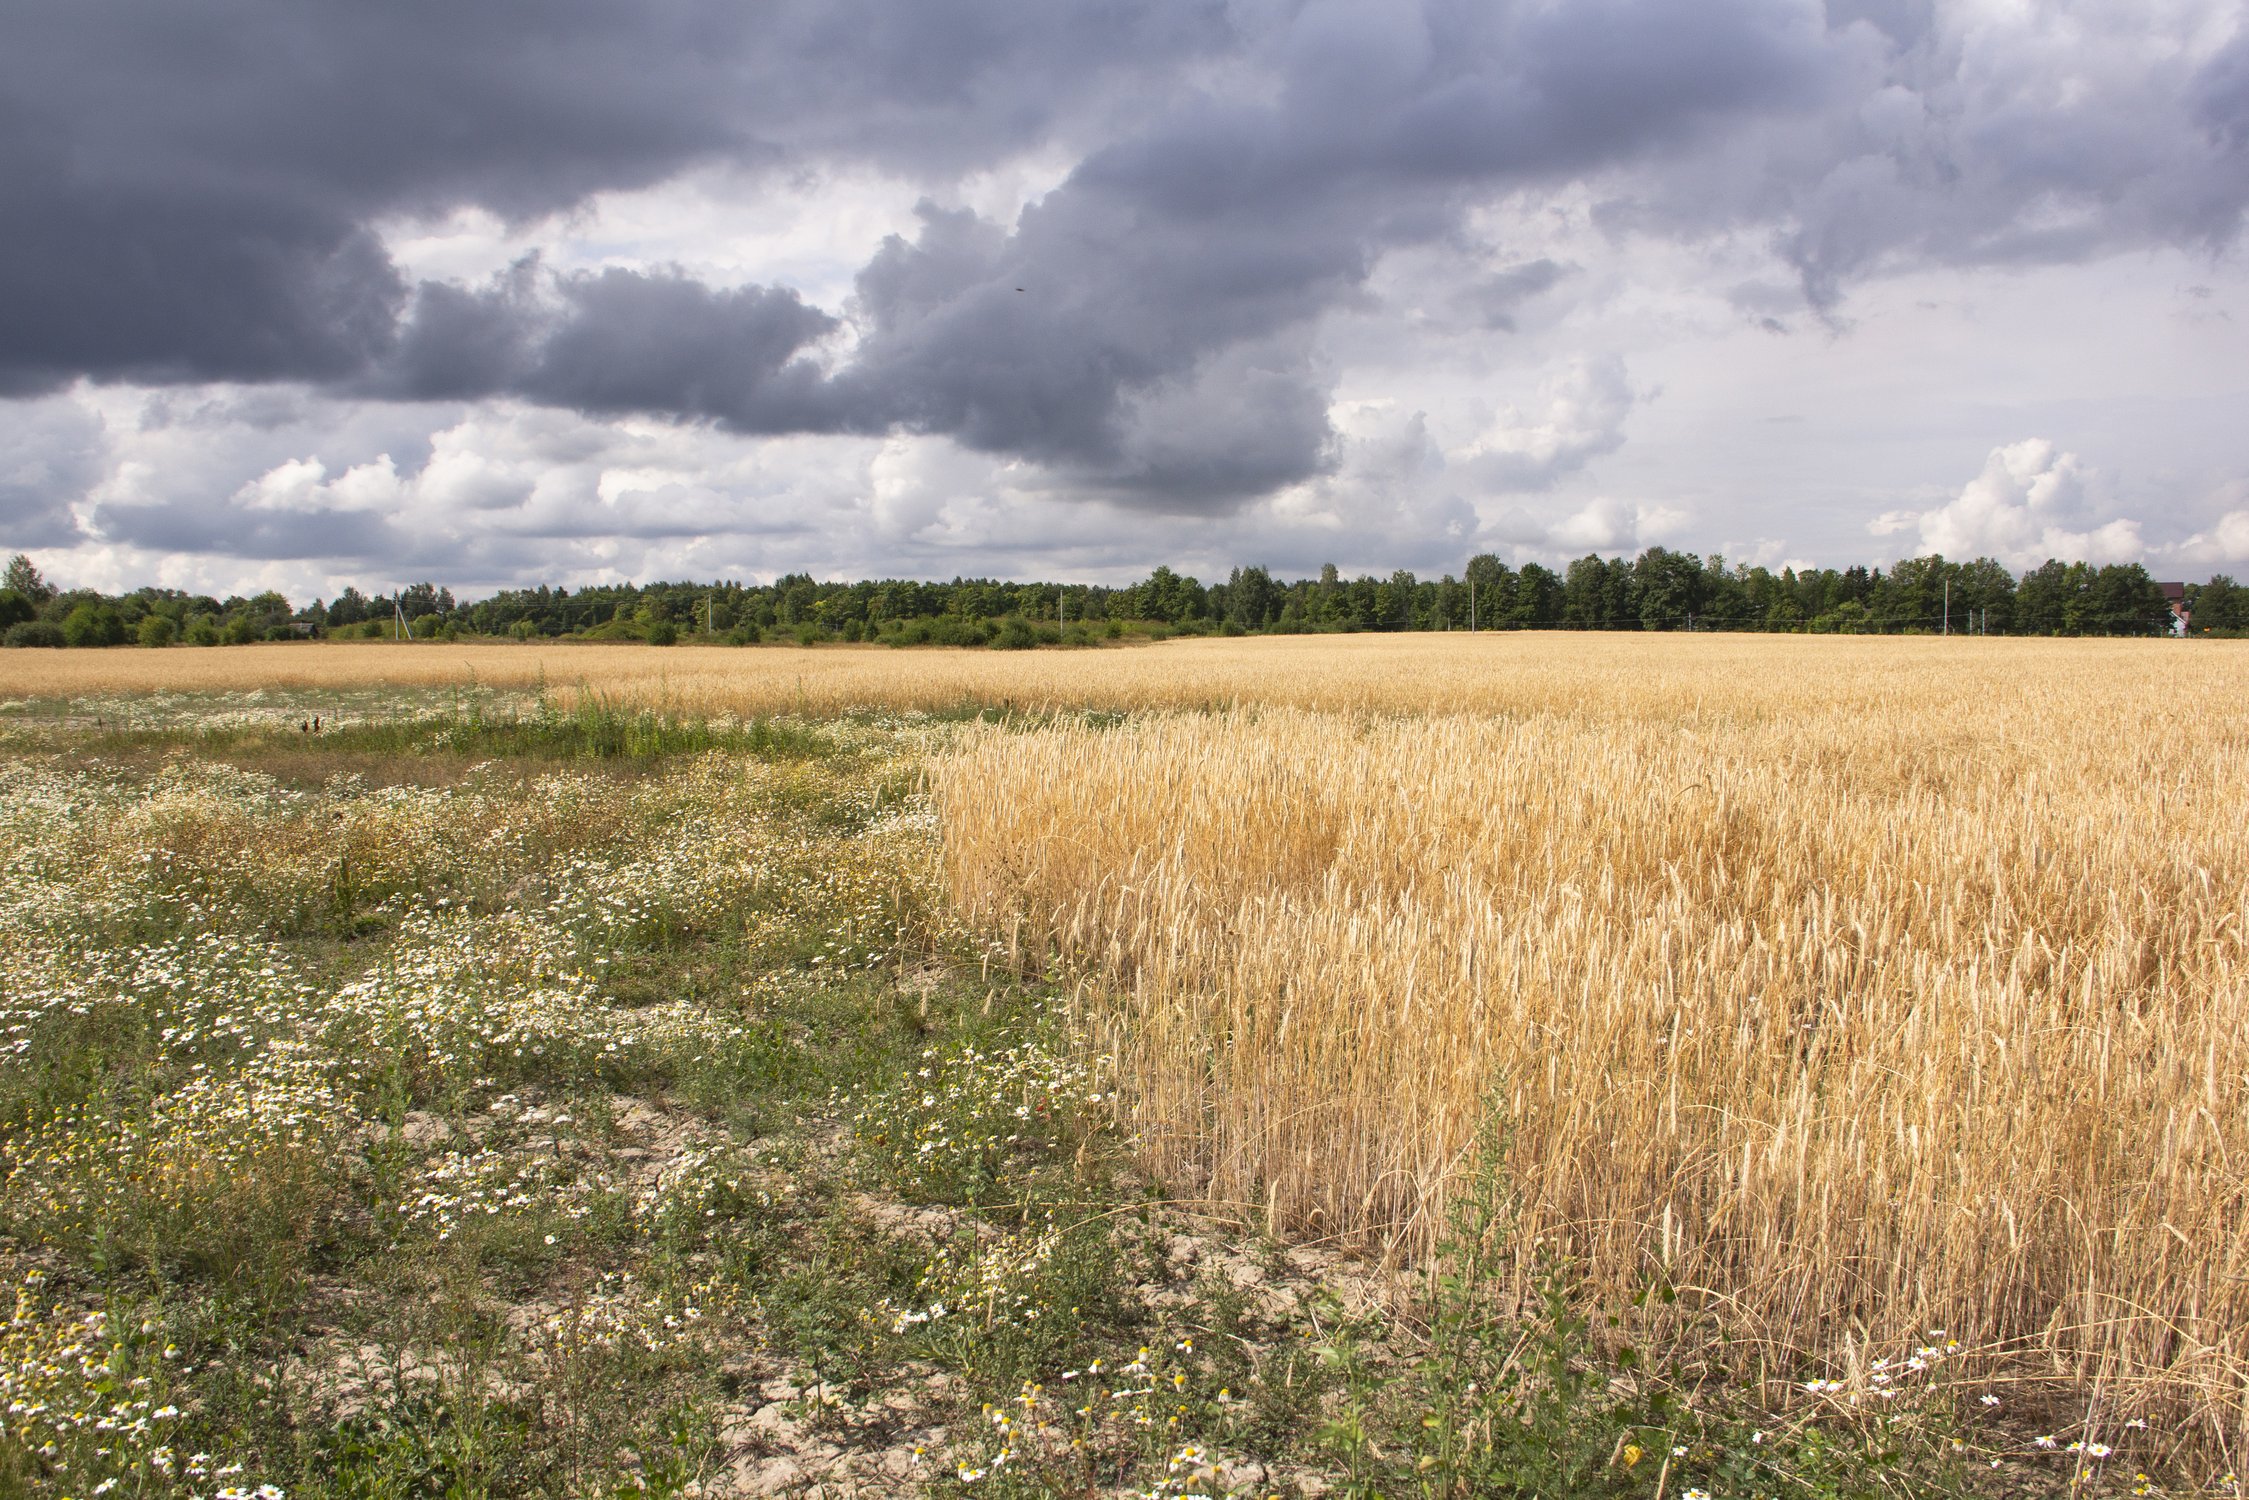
(2175, 595)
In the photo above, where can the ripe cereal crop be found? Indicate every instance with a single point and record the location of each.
(1860, 993)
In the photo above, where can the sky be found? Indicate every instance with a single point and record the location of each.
(307, 293)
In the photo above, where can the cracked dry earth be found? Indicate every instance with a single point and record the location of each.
(787, 1431)
(817, 1443)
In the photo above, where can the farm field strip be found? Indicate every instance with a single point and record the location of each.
(1602, 676)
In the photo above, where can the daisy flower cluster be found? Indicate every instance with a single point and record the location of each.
(701, 1188)
(1130, 1417)
(457, 1188)
(622, 1312)
(84, 1405)
(987, 1278)
(951, 1122)
(268, 1124)
(460, 997)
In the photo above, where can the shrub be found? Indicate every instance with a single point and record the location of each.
(34, 633)
(92, 625)
(1015, 634)
(203, 630)
(158, 630)
(15, 608)
(663, 633)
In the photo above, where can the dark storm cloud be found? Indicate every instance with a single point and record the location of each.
(613, 342)
(190, 191)
(1140, 330)
(2053, 135)
(187, 188)
(2220, 96)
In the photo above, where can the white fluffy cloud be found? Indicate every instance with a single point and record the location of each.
(1577, 417)
(2031, 502)
(2225, 541)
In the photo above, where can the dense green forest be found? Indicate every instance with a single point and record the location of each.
(1658, 590)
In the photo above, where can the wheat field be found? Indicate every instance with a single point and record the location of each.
(1730, 677)
(1860, 988)
(1856, 987)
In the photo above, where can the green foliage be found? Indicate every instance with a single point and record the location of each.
(2220, 607)
(1658, 590)
(24, 578)
(1015, 634)
(91, 624)
(158, 630)
(35, 633)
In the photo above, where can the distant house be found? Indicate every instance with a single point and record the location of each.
(2175, 595)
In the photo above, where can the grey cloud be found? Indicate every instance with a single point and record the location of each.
(616, 341)
(1972, 149)
(1494, 300)
(1179, 268)
(2220, 94)
(238, 532)
(188, 189)
(49, 455)
(190, 193)
(1903, 22)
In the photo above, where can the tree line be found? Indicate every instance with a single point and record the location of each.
(1658, 590)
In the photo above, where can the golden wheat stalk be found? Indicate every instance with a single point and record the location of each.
(1869, 1001)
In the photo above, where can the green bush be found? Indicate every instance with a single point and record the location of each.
(663, 633)
(34, 633)
(203, 630)
(158, 630)
(92, 625)
(15, 608)
(1015, 634)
